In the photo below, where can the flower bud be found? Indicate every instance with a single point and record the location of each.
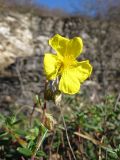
(49, 121)
(57, 97)
(48, 94)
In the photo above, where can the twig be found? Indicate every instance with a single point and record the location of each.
(100, 151)
(90, 138)
(31, 115)
(37, 103)
(29, 107)
(20, 79)
(39, 142)
(22, 158)
(117, 102)
(80, 141)
(51, 144)
(40, 137)
(68, 153)
(68, 136)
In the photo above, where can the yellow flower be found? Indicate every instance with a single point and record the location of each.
(64, 64)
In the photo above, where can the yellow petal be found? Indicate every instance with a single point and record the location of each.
(75, 47)
(66, 47)
(73, 77)
(50, 62)
(83, 70)
(69, 83)
(59, 44)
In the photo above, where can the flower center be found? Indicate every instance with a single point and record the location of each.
(65, 63)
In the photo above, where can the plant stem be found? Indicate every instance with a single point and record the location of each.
(40, 136)
(67, 136)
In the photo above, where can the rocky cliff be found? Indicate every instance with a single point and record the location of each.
(24, 39)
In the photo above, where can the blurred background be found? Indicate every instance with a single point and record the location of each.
(89, 8)
(27, 25)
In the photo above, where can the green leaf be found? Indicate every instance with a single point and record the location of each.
(41, 154)
(17, 121)
(20, 132)
(24, 151)
(3, 134)
(110, 150)
(31, 144)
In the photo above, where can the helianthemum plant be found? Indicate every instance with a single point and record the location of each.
(64, 65)
(66, 71)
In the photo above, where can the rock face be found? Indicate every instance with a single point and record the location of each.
(24, 40)
(15, 38)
